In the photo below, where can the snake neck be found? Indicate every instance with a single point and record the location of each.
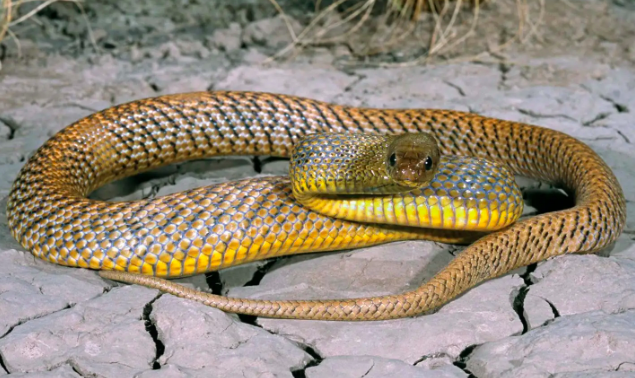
(335, 164)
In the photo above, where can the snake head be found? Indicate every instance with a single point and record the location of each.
(412, 159)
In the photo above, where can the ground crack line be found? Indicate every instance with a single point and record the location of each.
(2, 365)
(372, 365)
(317, 359)
(624, 363)
(358, 78)
(11, 124)
(75, 367)
(626, 139)
(518, 304)
(554, 310)
(534, 114)
(432, 355)
(214, 283)
(458, 88)
(24, 321)
(599, 117)
(66, 307)
(151, 328)
(621, 108)
(464, 356)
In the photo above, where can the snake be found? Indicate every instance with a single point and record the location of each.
(394, 152)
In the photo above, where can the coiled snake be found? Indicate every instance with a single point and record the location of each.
(210, 228)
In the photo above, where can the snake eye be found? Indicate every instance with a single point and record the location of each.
(428, 163)
(392, 160)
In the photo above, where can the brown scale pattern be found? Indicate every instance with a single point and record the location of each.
(182, 233)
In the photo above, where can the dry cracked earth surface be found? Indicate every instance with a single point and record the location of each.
(571, 316)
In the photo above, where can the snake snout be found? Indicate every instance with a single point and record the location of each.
(413, 159)
(412, 167)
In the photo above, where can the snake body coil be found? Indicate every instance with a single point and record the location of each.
(167, 237)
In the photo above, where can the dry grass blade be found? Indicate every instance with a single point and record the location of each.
(449, 27)
(5, 17)
(313, 34)
(9, 11)
(31, 13)
(446, 41)
(285, 18)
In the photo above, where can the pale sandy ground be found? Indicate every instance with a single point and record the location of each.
(571, 316)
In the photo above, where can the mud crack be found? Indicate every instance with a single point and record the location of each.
(77, 369)
(537, 115)
(23, 321)
(214, 282)
(461, 362)
(519, 307)
(372, 365)
(358, 78)
(599, 117)
(458, 88)
(554, 310)
(628, 366)
(2, 365)
(518, 304)
(11, 125)
(621, 108)
(317, 359)
(620, 133)
(429, 356)
(151, 328)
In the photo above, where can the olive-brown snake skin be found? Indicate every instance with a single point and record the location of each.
(50, 216)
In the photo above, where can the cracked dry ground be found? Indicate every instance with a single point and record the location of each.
(571, 316)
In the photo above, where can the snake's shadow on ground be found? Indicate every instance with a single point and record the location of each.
(546, 200)
(154, 183)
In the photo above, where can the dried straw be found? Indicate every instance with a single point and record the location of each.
(9, 17)
(401, 20)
